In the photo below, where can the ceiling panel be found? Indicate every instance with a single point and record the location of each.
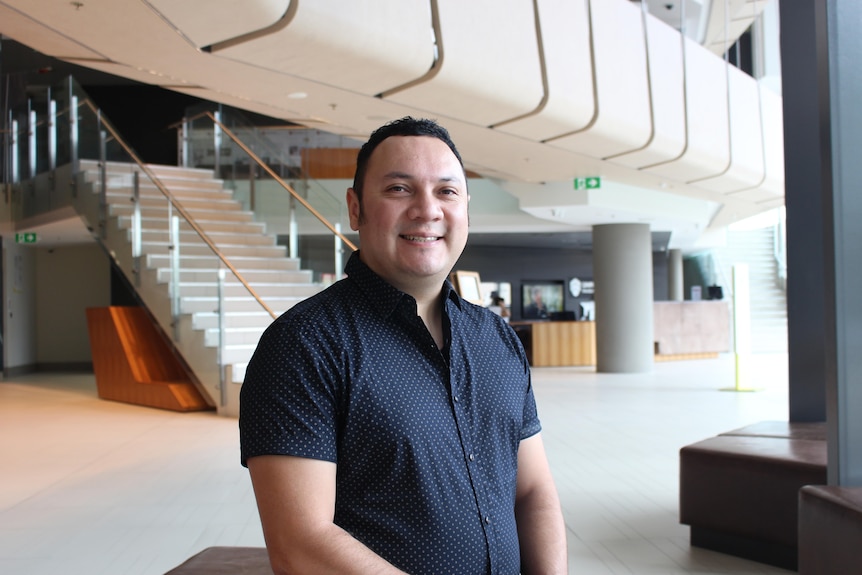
(489, 70)
(206, 22)
(570, 102)
(623, 121)
(366, 46)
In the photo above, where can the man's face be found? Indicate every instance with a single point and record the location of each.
(414, 212)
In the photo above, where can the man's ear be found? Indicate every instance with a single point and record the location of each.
(353, 209)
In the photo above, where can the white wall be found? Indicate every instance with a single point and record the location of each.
(69, 279)
(19, 306)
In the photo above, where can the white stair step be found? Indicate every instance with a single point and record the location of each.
(197, 214)
(151, 223)
(191, 261)
(238, 354)
(236, 289)
(250, 275)
(219, 238)
(228, 250)
(146, 187)
(162, 171)
(235, 304)
(209, 320)
(234, 336)
(190, 204)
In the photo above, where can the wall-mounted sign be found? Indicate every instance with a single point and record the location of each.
(588, 183)
(26, 238)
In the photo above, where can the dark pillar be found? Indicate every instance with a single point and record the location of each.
(822, 85)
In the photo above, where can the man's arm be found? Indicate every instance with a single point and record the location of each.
(541, 529)
(296, 500)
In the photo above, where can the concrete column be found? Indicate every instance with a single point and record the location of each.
(675, 289)
(622, 271)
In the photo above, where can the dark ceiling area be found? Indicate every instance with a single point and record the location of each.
(35, 68)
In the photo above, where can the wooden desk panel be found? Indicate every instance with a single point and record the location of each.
(562, 343)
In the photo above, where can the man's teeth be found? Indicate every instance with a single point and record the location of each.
(421, 238)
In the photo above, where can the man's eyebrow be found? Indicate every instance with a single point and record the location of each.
(406, 176)
(398, 176)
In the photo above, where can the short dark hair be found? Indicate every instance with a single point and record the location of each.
(406, 126)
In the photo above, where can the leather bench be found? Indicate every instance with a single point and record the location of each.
(226, 561)
(783, 429)
(739, 490)
(830, 529)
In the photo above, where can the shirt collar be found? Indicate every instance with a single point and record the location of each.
(382, 295)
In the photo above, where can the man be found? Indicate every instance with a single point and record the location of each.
(537, 308)
(388, 425)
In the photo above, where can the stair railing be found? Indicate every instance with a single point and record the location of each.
(174, 205)
(257, 158)
(266, 168)
(78, 132)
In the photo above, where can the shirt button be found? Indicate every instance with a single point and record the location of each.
(472, 457)
(487, 519)
(455, 397)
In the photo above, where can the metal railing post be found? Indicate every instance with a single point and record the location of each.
(293, 231)
(339, 265)
(73, 131)
(14, 153)
(174, 249)
(52, 135)
(221, 338)
(103, 183)
(136, 227)
(31, 140)
(184, 143)
(217, 144)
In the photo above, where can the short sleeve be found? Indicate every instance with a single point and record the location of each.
(531, 425)
(287, 401)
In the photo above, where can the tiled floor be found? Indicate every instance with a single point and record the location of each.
(99, 488)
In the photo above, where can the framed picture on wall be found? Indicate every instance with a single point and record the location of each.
(539, 299)
(469, 286)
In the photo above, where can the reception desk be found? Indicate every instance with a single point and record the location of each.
(689, 329)
(682, 330)
(558, 343)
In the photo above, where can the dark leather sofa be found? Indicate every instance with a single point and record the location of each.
(739, 490)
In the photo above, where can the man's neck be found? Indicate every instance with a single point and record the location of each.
(431, 313)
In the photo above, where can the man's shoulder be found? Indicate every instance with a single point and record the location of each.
(325, 308)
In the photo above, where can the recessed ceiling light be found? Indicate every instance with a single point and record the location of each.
(297, 95)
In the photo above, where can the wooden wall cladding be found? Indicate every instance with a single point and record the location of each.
(329, 163)
(134, 364)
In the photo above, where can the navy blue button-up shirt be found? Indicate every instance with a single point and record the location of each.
(426, 441)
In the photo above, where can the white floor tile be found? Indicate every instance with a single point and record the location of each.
(97, 487)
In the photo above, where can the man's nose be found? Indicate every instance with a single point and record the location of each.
(425, 205)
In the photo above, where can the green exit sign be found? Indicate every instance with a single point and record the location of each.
(588, 183)
(26, 238)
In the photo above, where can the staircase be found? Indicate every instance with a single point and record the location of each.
(275, 277)
(755, 247)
